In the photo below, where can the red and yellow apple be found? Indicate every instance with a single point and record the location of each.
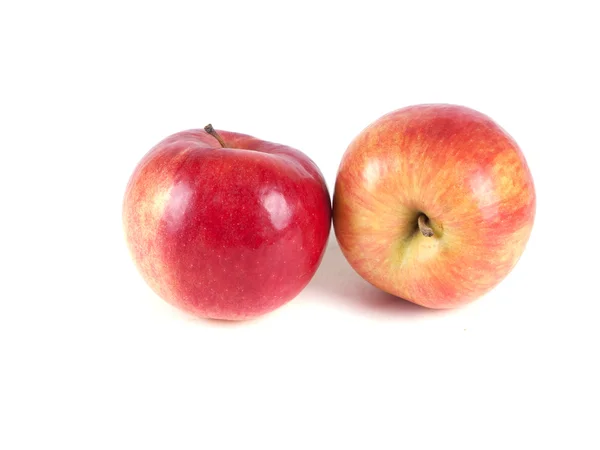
(434, 204)
(224, 225)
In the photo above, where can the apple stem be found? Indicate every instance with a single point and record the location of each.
(210, 130)
(425, 229)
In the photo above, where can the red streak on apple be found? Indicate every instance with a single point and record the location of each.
(434, 204)
(226, 233)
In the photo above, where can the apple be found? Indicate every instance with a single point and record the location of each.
(434, 204)
(224, 225)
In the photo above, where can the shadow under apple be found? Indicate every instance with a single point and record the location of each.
(337, 283)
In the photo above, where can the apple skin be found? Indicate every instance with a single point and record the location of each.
(464, 173)
(226, 233)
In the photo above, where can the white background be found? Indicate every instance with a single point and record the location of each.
(90, 358)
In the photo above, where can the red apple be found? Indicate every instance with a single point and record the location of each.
(224, 225)
(434, 204)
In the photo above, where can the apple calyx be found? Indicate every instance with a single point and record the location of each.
(423, 227)
(210, 130)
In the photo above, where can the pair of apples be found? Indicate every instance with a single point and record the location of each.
(432, 203)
